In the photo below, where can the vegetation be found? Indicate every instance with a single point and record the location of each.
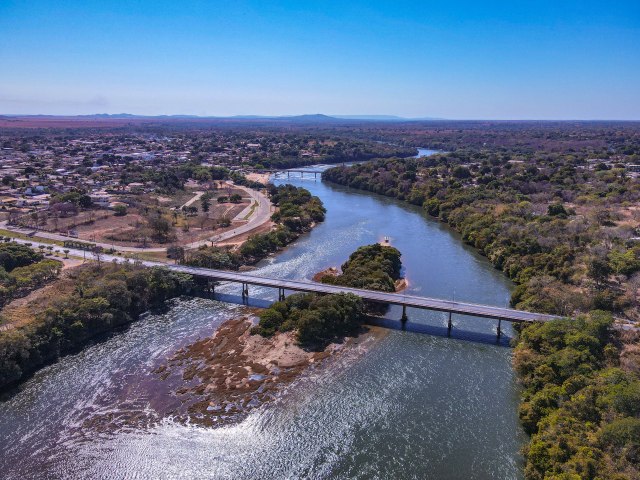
(316, 319)
(14, 255)
(22, 269)
(552, 204)
(120, 210)
(76, 197)
(581, 409)
(297, 211)
(103, 298)
(374, 267)
(551, 224)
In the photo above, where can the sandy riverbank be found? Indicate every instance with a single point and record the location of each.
(225, 376)
(258, 177)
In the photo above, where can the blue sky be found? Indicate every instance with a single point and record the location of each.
(451, 59)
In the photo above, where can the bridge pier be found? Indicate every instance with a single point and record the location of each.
(499, 331)
(281, 297)
(288, 173)
(404, 318)
(245, 290)
(449, 325)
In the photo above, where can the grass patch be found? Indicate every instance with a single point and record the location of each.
(253, 209)
(35, 238)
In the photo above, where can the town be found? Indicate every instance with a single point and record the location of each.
(153, 190)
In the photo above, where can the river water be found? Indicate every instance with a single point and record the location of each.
(416, 405)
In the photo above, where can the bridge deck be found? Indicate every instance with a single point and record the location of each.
(293, 170)
(426, 303)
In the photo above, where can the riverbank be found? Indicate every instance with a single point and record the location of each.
(68, 313)
(226, 376)
(434, 401)
(298, 213)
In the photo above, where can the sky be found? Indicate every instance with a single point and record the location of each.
(560, 59)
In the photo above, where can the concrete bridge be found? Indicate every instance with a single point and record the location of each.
(425, 303)
(315, 173)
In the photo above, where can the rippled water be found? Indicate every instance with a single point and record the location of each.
(414, 406)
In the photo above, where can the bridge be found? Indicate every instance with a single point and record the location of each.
(301, 172)
(405, 301)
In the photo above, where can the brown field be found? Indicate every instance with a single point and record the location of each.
(102, 226)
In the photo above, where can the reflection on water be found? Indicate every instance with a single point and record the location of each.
(414, 406)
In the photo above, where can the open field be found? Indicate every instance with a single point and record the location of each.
(186, 222)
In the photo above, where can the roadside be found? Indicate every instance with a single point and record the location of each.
(256, 216)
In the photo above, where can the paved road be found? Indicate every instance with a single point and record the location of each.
(196, 197)
(261, 215)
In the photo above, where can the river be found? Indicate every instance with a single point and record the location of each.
(414, 406)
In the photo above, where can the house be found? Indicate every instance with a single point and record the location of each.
(100, 198)
(8, 201)
(135, 187)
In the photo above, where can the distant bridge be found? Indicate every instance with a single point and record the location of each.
(315, 173)
(425, 303)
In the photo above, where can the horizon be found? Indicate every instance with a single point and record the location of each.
(354, 117)
(461, 61)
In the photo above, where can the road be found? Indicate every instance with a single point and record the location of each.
(472, 309)
(193, 199)
(261, 215)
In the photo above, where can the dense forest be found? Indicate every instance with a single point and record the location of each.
(580, 405)
(297, 212)
(564, 228)
(320, 319)
(99, 298)
(316, 319)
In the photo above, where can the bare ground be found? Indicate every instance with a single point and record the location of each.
(226, 376)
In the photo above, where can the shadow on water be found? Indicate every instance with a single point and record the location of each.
(439, 331)
(392, 324)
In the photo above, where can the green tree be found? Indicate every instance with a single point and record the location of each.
(120, 210)
(205, 202)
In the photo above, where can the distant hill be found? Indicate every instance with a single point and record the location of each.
(316, 117)
(129, 119)
(370, 117)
